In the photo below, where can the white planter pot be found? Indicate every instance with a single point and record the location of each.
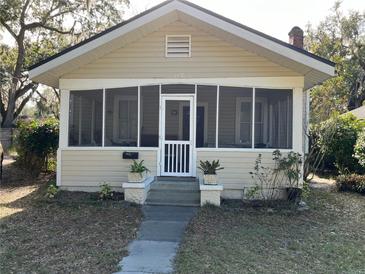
(136, 177)
(210, 179)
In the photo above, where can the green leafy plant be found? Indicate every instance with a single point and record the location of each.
(359, 148)
(286, 170)
(138, 167)
(340, 140)
(105, 192)
(52, 190)
(351, 182)
(252, 192)
(210, 168)
(289, 165)
(36, 142)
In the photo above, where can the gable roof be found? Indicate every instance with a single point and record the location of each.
(324, 67)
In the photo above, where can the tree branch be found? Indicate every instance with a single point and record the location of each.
(41, 25)
(23, 103)
(24, 9)
(20, 92)
(57, 93)
(8, 28)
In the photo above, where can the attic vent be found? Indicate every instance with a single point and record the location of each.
(178, 46)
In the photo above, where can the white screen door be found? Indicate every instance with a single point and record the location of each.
(177, 135)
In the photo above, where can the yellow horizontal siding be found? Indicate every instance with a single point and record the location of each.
(91, 168)
(210, 57)
(237, 166)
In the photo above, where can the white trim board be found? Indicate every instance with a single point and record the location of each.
(258, 82)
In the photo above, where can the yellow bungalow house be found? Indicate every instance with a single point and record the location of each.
(178, 84)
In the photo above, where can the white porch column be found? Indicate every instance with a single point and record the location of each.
(64, 116)
(298, 120)
(63, 137)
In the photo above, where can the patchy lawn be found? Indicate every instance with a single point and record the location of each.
(74, 233)
(329, 238)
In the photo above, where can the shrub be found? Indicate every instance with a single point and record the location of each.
(360, 148)
(36, 142)
(106, 192)
(286, 171)
(351, 182)
(52, 190)
(316, 161)
(139, 167)
(290, 166)
(338, 137)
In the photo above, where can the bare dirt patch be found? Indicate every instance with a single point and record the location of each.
(74, 233)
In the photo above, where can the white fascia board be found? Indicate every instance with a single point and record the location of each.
(104, 39)
(257, 39)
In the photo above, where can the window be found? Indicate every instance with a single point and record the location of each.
(235, 117)
(121, 117)
(206, 116)
(260, 115)
(149, 116)
(85, 120)
(273, 118)
(243, 120)
(178, 46)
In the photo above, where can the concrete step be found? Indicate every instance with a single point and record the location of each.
(175, 187)
(176, 179)
(178, 198)
(174, 191)
(170, 194)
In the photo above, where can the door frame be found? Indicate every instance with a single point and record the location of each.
(177, 97)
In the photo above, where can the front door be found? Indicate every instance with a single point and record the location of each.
(177, 135)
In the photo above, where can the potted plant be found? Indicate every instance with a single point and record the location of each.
(290, 166)
(210, 169)
(137, 172)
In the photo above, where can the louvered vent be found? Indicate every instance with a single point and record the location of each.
(178, 46)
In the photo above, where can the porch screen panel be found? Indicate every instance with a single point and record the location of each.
(273, 118)
(206, 114)
(149, 116)
(121, 117)
(235, 117)
(85, 118)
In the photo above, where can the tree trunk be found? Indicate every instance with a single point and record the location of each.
(10, 111)
(9, 118)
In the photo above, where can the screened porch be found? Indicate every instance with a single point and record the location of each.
(223, 117)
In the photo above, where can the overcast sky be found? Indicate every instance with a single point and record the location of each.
(273, 17)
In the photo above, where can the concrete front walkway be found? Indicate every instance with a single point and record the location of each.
(158, 238)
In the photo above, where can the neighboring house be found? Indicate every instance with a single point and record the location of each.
(358, 112)
(179, 84)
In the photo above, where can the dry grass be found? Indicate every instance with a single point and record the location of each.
(329, 238)
(74, 233)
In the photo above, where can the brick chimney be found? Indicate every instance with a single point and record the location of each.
(296, 37)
